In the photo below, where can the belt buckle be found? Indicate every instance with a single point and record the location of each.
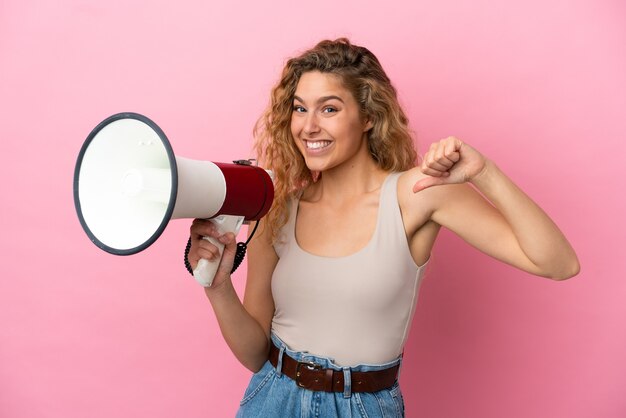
(310, 366)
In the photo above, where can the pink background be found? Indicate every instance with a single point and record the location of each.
(540, 87)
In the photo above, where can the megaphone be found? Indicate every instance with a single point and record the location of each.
(128, 185)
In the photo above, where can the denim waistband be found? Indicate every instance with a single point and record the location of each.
(327, 362)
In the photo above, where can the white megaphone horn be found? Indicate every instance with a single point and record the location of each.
(128, 184)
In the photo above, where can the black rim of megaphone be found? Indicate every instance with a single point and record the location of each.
(174, 169)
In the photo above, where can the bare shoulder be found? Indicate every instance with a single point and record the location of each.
(416, 206)
(409, 178)
(425, 200)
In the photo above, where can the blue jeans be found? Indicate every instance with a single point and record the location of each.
(271, 394)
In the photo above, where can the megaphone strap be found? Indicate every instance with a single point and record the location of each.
(187, 249)
(240, 254)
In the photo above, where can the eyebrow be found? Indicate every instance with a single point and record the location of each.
(321, 99)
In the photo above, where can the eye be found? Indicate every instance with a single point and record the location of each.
(329, 109)
(299, 108)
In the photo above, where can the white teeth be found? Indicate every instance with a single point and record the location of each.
(316, 144)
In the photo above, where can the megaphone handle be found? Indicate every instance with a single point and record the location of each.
(204, 273)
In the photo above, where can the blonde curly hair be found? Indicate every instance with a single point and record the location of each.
(390, 142)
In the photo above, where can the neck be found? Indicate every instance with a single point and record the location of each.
(356, 177)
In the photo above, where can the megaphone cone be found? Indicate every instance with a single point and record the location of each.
(128, 185)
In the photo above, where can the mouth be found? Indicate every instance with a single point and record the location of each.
(316, 145)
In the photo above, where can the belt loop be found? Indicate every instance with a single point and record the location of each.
(279, 363)
(400, 366)
(347, 383)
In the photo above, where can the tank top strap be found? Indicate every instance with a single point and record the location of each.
(389, 192)
(390, 224)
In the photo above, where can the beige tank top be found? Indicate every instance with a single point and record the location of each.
(355, 309)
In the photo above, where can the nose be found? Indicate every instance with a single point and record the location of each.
(311, 125)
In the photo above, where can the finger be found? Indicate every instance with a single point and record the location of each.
(439, 152)
(438, 157)
(454, 142)
(208, 252)
(204, 248)
(433, 173)
(200, 223)
(201, 227)
(427, 182)
(453, 157)
(439, 166)
(451, 150)
(229, 241)
(430, 161)
(441, 157)
(228, 255)
(443, 163)
(433, 169)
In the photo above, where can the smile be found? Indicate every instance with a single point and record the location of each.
(316, 145)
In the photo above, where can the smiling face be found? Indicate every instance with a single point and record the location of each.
(326, 123)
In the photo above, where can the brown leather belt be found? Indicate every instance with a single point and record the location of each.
(313, 377)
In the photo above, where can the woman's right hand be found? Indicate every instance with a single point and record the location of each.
(202, 248)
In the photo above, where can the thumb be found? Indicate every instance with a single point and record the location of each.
(428, 182)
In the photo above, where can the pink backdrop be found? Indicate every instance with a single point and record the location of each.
(538, 86)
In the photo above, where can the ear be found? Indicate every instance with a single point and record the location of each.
(368, 125)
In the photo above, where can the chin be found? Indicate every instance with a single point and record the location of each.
(315, 165)
(318, 168)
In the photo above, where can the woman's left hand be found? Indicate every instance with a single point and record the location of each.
(449, 161)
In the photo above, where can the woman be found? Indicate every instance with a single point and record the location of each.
(334, 271)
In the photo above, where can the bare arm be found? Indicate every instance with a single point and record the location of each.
(245, 326)
(508, 225)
